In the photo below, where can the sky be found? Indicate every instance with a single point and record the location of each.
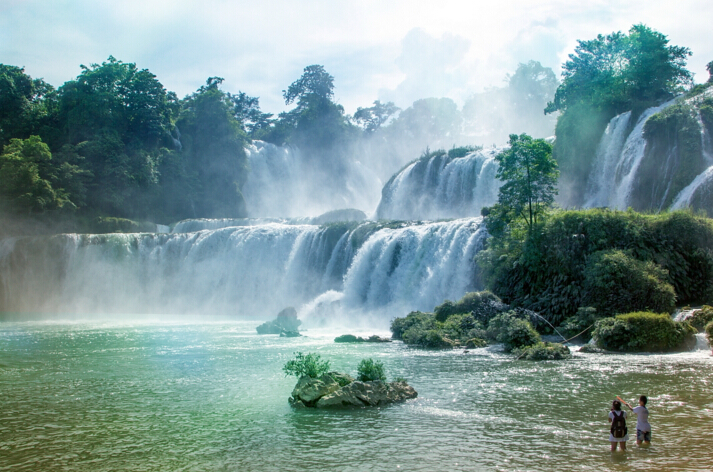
(384, 50)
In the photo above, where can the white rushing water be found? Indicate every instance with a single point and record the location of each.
(442, 187)
(247, 271)
(284, 182)
(617, 161)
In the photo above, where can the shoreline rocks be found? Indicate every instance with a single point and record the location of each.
(350, 338)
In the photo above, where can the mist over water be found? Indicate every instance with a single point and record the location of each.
(248, 272)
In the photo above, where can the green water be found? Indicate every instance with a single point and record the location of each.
(211, 396)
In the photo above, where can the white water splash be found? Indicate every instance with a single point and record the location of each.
(283, 182)
(247, 271)
(446, 188)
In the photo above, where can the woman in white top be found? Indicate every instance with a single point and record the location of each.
(643, 428)
(616, 413)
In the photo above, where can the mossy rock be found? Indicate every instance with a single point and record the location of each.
(543, 351)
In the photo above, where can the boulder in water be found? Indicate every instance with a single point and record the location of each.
(286, 322)
(372, 393)
(340, 390)
(350, 338)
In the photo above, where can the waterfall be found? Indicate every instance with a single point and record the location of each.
(284, 182)
(442, 187)
(617, 161)
(250, 271)
(601, 185)
(685, 197)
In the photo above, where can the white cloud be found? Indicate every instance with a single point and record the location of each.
(400, 49)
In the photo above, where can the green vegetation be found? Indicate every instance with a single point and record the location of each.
(615, 282)
(580, 325)
(701, 318)
(613, 261)
(370, 370)
(467, 322)
(513, 331)
(709, 333)
(529, 175)
(643, 331)
(606, 76)
(543, 352)
(309, 365)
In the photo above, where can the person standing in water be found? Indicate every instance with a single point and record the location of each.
(618, 433)
(643, 428)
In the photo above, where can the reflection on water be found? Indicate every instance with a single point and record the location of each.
(212, 396)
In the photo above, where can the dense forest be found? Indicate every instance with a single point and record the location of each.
(113, 145)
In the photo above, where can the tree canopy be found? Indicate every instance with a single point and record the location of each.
(529, 175)
(618, 71)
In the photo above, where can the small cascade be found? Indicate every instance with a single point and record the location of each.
(442, 187)
(702, 343)
(685, 197)
(253, 271)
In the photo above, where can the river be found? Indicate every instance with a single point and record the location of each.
(211, 395)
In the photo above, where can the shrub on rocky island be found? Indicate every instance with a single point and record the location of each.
(543, 352)
(318, 388)
(644, 331)
(306, 365)
(369, 370)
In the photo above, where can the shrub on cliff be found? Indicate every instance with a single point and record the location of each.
(546, 271)
(643, 331)
(701, 318)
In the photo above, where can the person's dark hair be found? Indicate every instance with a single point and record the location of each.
(616, 404)
(643, 398)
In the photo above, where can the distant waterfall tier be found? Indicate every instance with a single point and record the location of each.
(288, 182)
(251, 271)
(662, 160)
(440, 186)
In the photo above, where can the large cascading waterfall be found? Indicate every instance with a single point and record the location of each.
(249, 271)
(441, 186)
(671, 167)
(617, 161)
(283, 182)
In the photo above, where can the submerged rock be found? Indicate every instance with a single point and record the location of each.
(350, 338)
(340, 390)
(286, 322)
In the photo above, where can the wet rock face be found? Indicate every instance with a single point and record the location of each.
(308, 390)
(326, 392)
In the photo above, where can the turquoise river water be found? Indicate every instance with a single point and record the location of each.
(211, 396)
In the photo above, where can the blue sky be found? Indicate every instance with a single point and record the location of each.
(387, 50)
